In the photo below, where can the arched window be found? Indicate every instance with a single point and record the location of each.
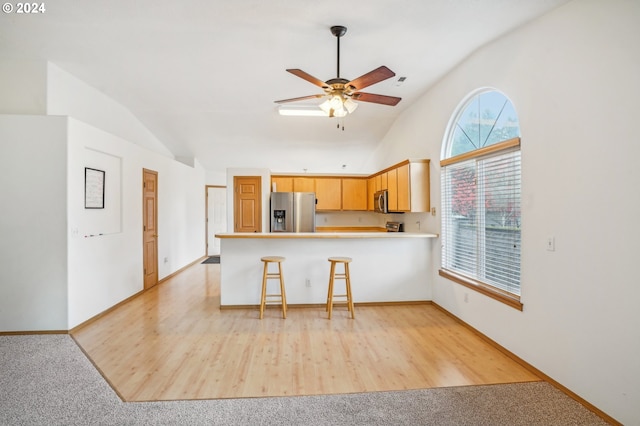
(480, 179)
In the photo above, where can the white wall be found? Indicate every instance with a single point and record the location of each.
(96, 284)
(216, 178)
(68, 95)
(573, 78)
(33, 223)
(23, 86)
(57, 275)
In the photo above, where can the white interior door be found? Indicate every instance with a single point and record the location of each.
(217, 216)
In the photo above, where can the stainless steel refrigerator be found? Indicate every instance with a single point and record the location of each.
(293, 212)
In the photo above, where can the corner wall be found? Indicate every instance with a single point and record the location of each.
(573, 78)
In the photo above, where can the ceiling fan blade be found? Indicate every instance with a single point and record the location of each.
(372, 77)
(311, 79)
(302, 98)
(376, 99)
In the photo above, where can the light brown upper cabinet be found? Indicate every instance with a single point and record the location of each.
(354, 194)
(381, 181)
(371, 190)
(412, 187)
(407, 183)
(328, 193)
(392, 187)
(304, 184)
(282, 183)
(404, 188)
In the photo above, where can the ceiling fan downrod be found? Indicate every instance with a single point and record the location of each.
(338, 31)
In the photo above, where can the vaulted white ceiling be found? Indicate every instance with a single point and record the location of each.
(203, 75)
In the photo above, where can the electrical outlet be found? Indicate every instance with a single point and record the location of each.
(551, 243)
(433, 211)
(307, 282)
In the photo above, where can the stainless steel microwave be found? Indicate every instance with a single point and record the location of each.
(380, 201)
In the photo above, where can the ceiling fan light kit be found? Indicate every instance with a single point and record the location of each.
(340, 93)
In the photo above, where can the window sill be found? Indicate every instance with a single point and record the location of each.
(480, 287)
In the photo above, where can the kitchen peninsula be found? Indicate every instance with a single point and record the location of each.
(386, 267)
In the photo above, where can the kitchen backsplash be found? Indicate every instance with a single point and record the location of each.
(413, 222)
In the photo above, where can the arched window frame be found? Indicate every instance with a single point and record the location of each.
(479, 251)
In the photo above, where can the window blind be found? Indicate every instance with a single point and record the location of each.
(481, 219)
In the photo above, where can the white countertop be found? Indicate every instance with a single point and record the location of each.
(319, 235)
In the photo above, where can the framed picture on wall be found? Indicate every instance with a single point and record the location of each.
(93, 188)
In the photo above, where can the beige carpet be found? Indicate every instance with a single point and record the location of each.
(47, 380)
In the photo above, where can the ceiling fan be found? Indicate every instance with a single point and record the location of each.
(341, 93)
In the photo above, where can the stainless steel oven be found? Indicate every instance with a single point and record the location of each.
(380, 202)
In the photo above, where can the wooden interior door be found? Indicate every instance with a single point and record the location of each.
(247, 203)
(150, 227)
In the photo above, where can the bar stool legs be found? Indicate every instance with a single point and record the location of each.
(266, 275)
(333, 275)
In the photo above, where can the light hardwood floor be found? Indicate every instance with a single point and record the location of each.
(173, 342)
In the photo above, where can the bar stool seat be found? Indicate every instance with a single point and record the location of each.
(333, 275)
(273, 298)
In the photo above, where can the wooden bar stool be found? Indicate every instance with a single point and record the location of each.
(266, 275)
(333, 275)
